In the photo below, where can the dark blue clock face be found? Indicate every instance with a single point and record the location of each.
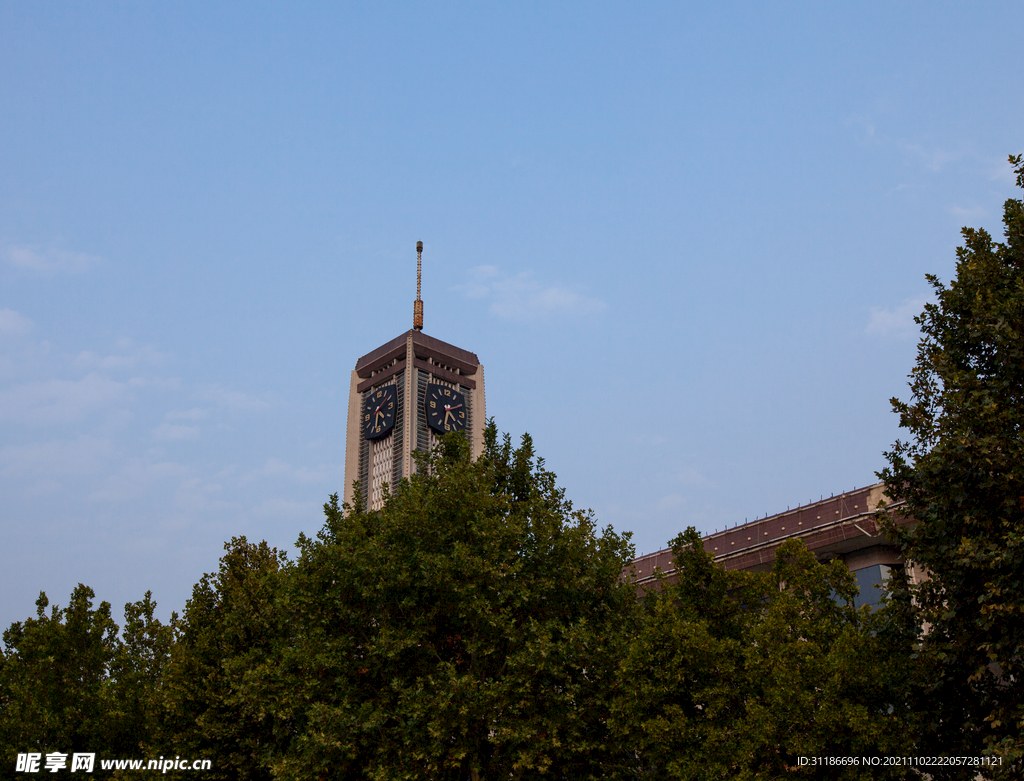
(379, 408)
(446, 409)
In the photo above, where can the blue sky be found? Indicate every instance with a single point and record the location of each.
(687, 243)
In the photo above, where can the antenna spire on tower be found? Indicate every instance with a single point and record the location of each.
(417, 306)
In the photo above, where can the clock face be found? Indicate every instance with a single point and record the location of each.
(379, 412)
(446, 409)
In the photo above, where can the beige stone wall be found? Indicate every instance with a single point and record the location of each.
(353, 437)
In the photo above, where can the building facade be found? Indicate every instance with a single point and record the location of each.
(841, 527)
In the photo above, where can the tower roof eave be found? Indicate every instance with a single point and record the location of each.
(430, 343)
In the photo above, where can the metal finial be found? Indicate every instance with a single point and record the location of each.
(417, 306)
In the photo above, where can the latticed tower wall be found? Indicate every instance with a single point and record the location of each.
(381, 459)
(399, 435)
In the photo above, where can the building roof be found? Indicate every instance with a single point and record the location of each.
(429, 343)
(837, 526)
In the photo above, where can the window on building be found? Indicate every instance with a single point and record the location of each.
(871, 582)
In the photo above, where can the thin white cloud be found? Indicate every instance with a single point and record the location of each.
(522, 298)
(480, 280)
(933, 157)
(277, 468)
(669, 503)
(159, 383)
(130, 357)
(280, 509)
(865, 124)
(58, 401)
(1003, 172)
(897, 322)
(688, 475)
(233, 399)
(46, 460)
(170, 432)
(198, 495)
(49, 260)
(189, 414)
(137, 477)
(13, 323)
(973, 213)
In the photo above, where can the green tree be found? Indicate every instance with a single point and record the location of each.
(69, 683)
(468, 630)
(737, 675)
(682, 681)
(133, 711)
(961, 473)
(227, 631)
(53, 673)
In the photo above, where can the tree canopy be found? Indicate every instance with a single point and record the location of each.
(69, 682)
(736, 675)
(468, 630)
(961, 473)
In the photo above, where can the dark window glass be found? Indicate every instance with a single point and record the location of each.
(871, 582)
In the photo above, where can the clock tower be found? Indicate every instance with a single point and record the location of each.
(402, 397)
